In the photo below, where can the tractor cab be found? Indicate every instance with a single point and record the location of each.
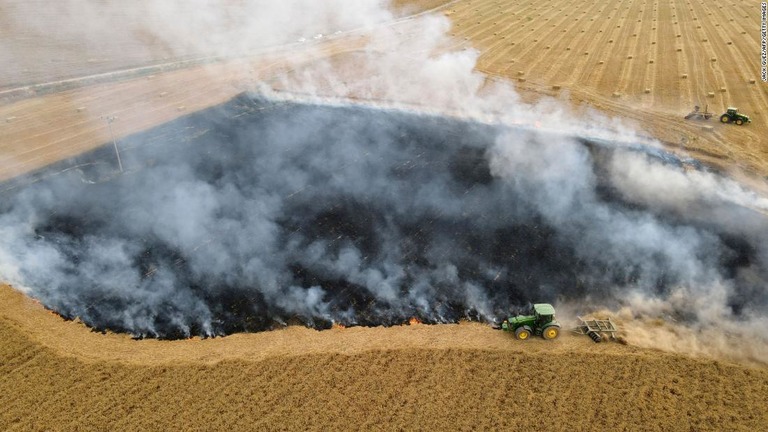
(544, 314)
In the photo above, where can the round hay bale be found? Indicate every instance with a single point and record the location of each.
(520, 73)
(616, 94)
(679, 50)
(647, 90)
(629, 57)
(713, 59)
(600, 62)
(710, 94)
(650, 61)
(556, 87)
(521, 79)
(722, 90)
(752, 81)
(684, 76)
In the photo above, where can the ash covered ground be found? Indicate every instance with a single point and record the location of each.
(255, 214)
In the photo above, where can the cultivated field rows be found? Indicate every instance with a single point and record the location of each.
(651, 60)
(57, 375)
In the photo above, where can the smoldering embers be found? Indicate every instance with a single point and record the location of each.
(255, 214)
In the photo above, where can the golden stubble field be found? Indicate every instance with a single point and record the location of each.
(647, 62)
(57, 375)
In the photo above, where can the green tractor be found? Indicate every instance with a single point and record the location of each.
(540, 321)
(732, 116)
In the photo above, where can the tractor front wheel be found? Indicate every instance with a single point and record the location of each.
(739, 122)
(550, 333)
(724, 118)
(522, 333)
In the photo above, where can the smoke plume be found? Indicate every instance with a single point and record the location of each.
(266, 210)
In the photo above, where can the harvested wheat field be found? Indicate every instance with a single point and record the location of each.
(59, 376)
(244, 216)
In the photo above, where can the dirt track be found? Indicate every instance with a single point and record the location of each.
(58, 375)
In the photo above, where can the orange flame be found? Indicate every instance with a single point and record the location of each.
(414, 321)
(338, 326)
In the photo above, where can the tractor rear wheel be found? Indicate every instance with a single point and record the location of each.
(551, 332)
(739, 122)
(724, 118)
(522, 333)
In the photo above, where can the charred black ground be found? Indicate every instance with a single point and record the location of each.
(255, 214)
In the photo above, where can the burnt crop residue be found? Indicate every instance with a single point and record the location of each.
(255, 214)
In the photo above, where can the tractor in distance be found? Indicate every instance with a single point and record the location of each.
(539, 321)
(732, 116)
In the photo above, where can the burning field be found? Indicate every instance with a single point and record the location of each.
(258, 213)
(198, 187)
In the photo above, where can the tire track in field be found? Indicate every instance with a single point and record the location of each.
(553, 22)
(470, 14)
(582, 49)
(693, 55)
(596, 79)
(735, 72)
(515, 44)
(690, 96)
(633, 79)
(572, 60)
(715, 56)
(492, 13)
(618, 58)
(550, 38)
(507, 41)
(654, 64)
(690, 45)
(710, 44)
(622, 59)
(504, 47)
(738, 64)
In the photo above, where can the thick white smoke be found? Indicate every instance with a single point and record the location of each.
(334, 205)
